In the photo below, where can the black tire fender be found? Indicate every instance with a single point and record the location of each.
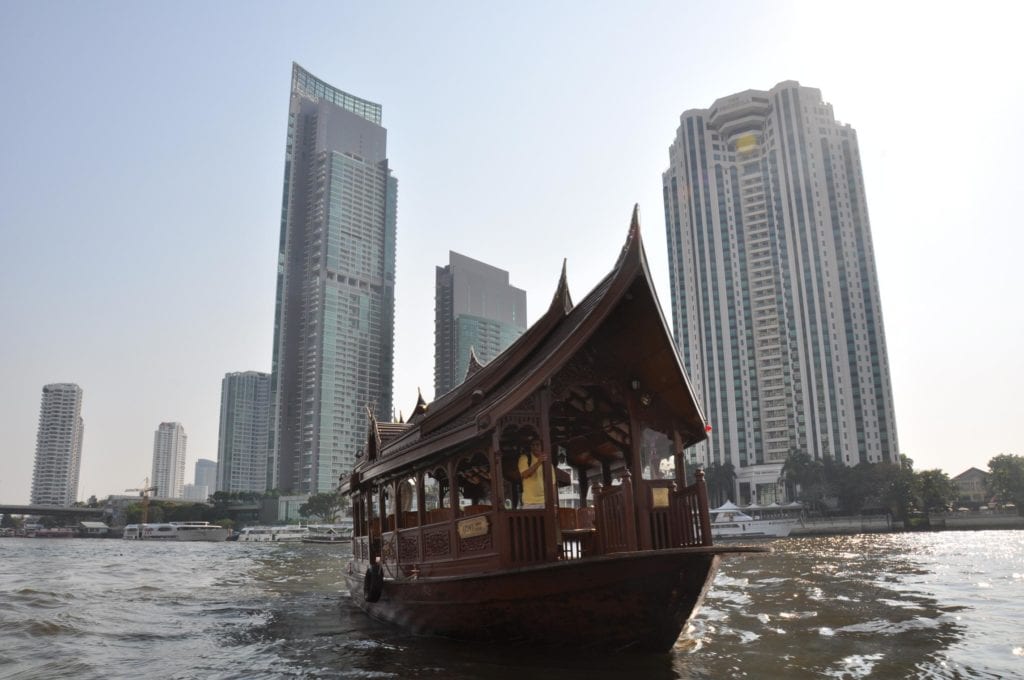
(373, 583)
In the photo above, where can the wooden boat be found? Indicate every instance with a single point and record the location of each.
(442, 543)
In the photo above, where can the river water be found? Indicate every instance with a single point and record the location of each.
(937, 605)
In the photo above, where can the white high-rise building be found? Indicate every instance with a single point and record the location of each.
(774, 290)
(169, 460)
(58, 446)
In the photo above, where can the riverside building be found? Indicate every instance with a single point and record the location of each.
(243, 445)
(335, 308)
(774, 291)
(58, 446)
(168, 476)
(475, 309)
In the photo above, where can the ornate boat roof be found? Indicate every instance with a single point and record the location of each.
(617, 331)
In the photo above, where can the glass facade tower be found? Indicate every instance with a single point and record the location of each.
(243, 448)
(775, 295)
(475, 309)
(334, 316)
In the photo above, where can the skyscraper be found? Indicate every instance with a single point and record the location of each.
(58, 446)
(474, 308)
(206, 470)
(169, 460)
(774, 290)
(334, 318)
(243, 448)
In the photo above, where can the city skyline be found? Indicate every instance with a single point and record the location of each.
(501, 155)
(775, 299)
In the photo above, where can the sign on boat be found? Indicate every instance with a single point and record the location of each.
(448, 539)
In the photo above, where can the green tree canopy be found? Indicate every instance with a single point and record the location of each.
(1006, 479)
(804, 478)
(324, 506)
(937, 490)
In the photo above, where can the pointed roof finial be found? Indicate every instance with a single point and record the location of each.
(421, 406)
(372, 434)
(474, 363)
(562, 299)
(401, 418)
(632, 243)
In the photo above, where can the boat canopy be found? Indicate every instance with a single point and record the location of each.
(601, 364)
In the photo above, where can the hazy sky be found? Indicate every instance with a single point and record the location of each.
(142, 154)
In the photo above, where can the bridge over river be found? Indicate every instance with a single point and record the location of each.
(52, 510)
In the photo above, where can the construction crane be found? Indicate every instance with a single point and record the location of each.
(144, 495)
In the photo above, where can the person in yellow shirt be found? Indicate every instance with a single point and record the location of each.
(531, 470)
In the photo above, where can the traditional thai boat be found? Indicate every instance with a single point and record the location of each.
(442, 542)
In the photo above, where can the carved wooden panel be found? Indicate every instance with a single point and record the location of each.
(475, 544)
(437, 543)
(388, 549)
(408, 548)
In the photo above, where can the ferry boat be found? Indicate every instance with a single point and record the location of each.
(729, 521)
(175, 531)
(340, 533)
(445, 542)
(268, 534)
(200, 531)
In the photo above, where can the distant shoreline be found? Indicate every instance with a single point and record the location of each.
(831, 526)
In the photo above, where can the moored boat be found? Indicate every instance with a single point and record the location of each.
(458, 530)
(175, 531)
(200, 531)
(273, 534)
(340, 533)
(730, 521)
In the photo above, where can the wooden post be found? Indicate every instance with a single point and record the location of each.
(632, 516)
(550, 485)
(702, 503)
(499, 522)
(639, 504)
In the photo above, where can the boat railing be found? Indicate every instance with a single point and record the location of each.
(614, 518)
(689, 508)
(526, 531)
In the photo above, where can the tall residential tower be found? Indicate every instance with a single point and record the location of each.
(476, 309)
(58, 446)
(334, 318)
(774, 290)
(168, 477)
(243, 448)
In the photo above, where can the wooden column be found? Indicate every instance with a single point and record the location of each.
(640, 501)
(550, 486)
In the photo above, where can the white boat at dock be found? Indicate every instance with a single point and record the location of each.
(329, 533)
(271, 534)
(175, 531)
(730, 521)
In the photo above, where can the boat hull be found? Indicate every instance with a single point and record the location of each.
(626, 601)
